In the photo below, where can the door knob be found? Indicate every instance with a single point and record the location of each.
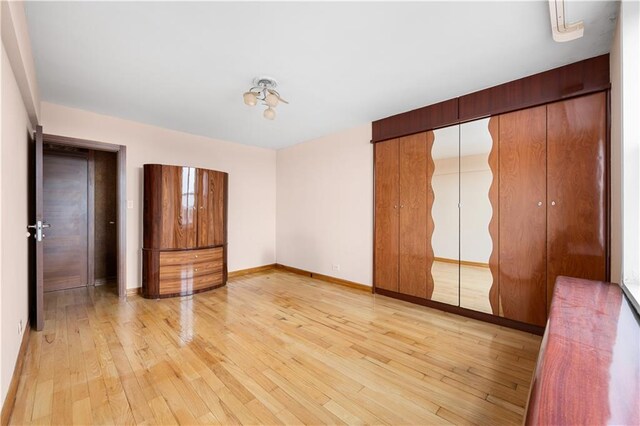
(39, 226)
(539, 203)
(553, 203)
(395, 206)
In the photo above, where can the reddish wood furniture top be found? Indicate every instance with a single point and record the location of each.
(588, 369)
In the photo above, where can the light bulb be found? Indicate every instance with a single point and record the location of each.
(250, 98)
(272, 99)
(269, 113)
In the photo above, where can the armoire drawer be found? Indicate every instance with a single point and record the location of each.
(183, 272)
(180, 257)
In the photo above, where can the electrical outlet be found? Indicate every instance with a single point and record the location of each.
(336, 266)
(20, 327)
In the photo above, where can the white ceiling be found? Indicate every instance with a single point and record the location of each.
(184, 66)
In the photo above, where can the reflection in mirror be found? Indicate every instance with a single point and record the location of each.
(475, 215)
(445, 184)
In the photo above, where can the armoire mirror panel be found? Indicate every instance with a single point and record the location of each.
(445, 185)
(476, 213)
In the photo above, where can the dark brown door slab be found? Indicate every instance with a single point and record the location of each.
(65, 187)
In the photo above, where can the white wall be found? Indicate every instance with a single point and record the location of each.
(15, 130)
(615, 68)
(471, 188)
(446, 220)
(476, 211)
(252, 179)
(325, 205)
(626, 138)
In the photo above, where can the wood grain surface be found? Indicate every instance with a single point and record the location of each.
(580, 78)
(414, 243)
(183, 272)
(576, 193)
(269, 348)
(572, 80)
(179, 220)
(522, 210)
(387, 199)
(105, 216)
(211, 198)
(418, 120)
(588, 371)
(65, 209)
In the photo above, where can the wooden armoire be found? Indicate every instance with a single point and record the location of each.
(548, 198)
(185, 230)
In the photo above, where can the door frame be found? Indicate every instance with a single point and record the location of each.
(121, 196)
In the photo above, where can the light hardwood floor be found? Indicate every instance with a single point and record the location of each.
(270, 348)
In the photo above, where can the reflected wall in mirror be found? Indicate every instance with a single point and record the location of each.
(445, 185)
(476, 213)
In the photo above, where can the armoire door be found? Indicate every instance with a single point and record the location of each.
(179, 229)
(414, 265)
(210, 202)
(386, 163)
(576, 145)
(522, 212)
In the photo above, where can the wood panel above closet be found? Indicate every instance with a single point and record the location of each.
(577, 79)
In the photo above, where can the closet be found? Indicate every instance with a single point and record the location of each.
(402, 222)
(484, 216)
(185, 230)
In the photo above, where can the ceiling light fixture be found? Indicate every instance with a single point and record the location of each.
(560, 30)
(264, 90)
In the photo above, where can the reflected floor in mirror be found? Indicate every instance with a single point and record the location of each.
(475, 283)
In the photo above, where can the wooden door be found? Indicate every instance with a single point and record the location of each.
(179, 227)
(386, 160)
(210, 195)
(414, 246)
(36, 219)
(65, 189)
(522, 212)
(577, 221)
(105, 166)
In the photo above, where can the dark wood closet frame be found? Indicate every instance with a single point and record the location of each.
(121, 200)
(570, 81)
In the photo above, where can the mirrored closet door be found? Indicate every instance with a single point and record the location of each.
(445, 184)
(464, 189)
(478, 202)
